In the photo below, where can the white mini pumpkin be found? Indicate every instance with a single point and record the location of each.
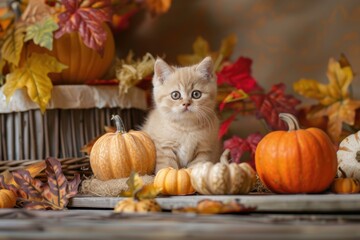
(223, 177)
(348, 156)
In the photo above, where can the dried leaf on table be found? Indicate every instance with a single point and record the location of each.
(269, 106)
(42, 33)
(140, 196)
(33, 76)
(35, 194)
(130, 72)
(87, 18)
(208, 206)
(334, 100)
(34, 170)
(138, 190)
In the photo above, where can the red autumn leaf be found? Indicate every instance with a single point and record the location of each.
(224, 127)
(274, 102)
(87, 18)
(239, 146)
(238, 74)
(30, 188)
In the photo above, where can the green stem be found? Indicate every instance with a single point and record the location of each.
(120, 128)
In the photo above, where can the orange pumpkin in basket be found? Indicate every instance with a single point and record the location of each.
(296, 161)
(116, 155)
(83, 63)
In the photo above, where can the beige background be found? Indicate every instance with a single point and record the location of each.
(287, 40)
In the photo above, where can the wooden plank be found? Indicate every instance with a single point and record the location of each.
(103, 224)
(266, 203)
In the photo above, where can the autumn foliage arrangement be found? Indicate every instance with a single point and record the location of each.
(39, 37)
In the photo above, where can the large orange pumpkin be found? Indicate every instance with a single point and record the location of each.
(116, 155)
(296, 161)
(83, 63)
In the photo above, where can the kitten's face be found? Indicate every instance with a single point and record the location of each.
(185, 93)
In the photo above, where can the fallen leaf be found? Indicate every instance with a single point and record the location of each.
(34, 170)
(34, 194)
(208, 206)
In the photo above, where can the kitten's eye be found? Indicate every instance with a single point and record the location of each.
(175, 95)
(196, 94)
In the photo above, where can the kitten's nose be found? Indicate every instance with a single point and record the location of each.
(186, 104)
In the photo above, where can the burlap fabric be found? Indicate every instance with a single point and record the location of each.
(110, 188)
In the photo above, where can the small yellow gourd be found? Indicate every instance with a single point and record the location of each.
(173, 181)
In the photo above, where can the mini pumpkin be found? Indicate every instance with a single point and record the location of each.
(116, 155)
(348, 156)
(223, 177)
(130, 205)
(296, 161)
(345, 184)
(7, 198)
(173, 181)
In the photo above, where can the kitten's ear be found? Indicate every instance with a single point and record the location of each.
(206, 68)
(161, 71)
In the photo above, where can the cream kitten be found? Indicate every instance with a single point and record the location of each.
(183, 124)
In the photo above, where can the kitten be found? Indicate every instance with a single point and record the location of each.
(183, 124)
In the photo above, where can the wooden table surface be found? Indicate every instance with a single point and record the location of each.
(93, 223)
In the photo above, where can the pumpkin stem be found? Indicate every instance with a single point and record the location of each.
(342, 172)
(290, 120)
(120, 128)
(225, 156)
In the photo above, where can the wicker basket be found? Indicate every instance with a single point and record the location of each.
(75, 116)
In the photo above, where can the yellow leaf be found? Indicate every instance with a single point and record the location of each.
(148, 192)
(13, 44)
(338, 113)
(340, 77)
(33, 76)
(201, 50)
(135, 183)
(227, 46)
